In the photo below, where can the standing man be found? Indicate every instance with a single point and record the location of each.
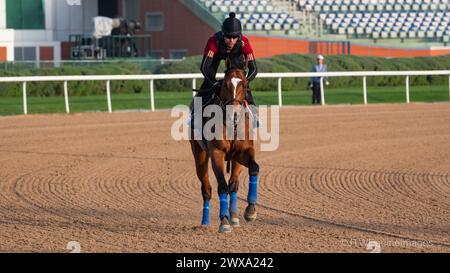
(315, 81)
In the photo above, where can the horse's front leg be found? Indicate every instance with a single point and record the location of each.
(218, 165)
(201, 166)
(248, 160)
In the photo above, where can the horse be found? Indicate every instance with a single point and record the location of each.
(238, 152)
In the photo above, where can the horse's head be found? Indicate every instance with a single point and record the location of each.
(234, 87)
(233, 92)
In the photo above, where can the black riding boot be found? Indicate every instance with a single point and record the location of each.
(207, 95)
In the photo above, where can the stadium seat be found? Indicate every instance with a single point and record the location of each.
(256, 15)
(358, 18)
(388, 16)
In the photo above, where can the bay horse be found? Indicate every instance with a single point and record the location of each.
(239, 152)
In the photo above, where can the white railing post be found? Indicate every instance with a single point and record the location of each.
(108, 95)
(280, 95)
(365, 89)
(194, 86)
(407, 90)
(152, 95)
(66, 97)
(322, 91)
(25, 103)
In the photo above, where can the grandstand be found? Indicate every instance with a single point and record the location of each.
(413, 20)
(255, 15)
(405, 19)
(431, 25)
(179, 28)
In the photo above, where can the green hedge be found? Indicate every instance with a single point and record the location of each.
(45, 89)
(304, 63)
(283, 63)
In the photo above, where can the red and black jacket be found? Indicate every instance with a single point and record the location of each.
(239, 57)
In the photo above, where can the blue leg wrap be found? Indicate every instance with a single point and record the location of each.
(224, 206)
(253, 190)
(233, 202)
(206, 215)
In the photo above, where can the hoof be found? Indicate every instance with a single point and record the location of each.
(235, 220)
(250, 213)
(225, 226)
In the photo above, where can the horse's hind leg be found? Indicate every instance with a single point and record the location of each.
(201, 165)
(233, 187)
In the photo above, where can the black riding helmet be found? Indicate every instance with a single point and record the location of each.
(232, 26)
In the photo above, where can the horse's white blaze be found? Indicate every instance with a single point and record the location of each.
(235, 82)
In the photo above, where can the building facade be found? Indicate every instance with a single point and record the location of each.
(38, 30)
(177, 31)
(35, 30)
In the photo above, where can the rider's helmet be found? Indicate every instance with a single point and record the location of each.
(232, 27)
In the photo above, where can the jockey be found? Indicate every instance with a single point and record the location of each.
(233, 47)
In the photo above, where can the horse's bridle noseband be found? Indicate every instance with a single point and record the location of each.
(223, 104)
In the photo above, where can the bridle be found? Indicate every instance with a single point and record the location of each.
(223, 104)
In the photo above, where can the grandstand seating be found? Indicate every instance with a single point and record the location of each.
(374, 19)
(255, 15)
(371, 5)
(383, 18)
(389, 24)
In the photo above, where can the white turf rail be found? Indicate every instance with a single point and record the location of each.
(152, 77)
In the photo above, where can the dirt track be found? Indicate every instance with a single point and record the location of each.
(118, 183)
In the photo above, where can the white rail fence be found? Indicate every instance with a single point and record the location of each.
(195, 77)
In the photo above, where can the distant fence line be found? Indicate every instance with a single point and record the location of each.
(153, 77)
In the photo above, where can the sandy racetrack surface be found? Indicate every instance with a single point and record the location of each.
(343, 176)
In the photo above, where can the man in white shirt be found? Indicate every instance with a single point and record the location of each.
(315, 81)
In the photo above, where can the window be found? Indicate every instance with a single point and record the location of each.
(178, 53)
(154, 21)
(131, 9)
(25, 54)
(25, 14)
